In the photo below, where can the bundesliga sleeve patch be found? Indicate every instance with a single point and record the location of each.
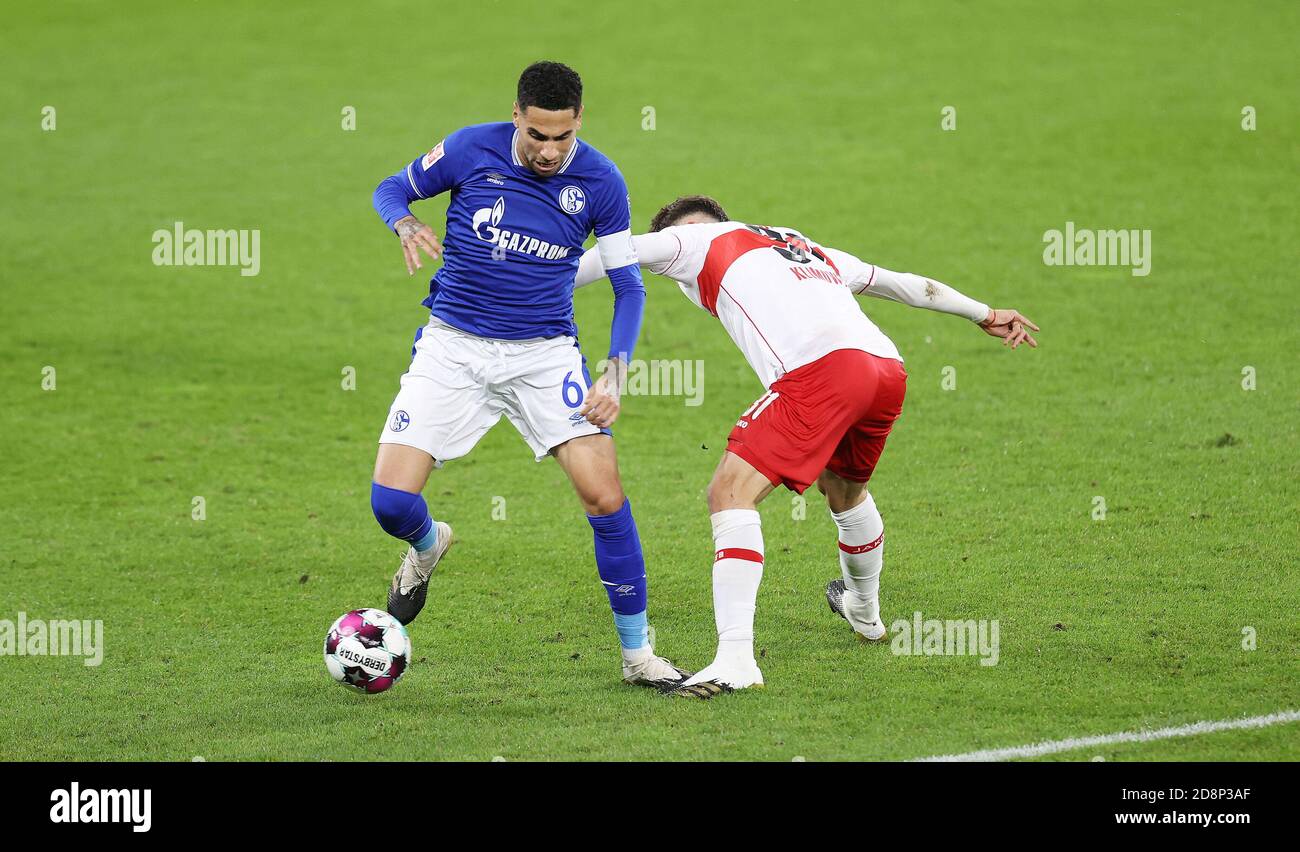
(434, 155)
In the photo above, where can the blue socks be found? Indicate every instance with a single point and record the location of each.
(632, 630)
(403, 515)
(428, 540)
(618, 554)
(622, 571)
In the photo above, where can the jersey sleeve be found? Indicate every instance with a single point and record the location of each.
(612, 221)
(867, 279)
(443, 168)
(855, 272)
(676, 252)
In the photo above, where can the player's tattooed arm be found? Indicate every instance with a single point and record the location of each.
(416, 236)
(1010, 325)
(602, 405)
(1007, 324)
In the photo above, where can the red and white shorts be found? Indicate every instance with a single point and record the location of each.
(833, 414)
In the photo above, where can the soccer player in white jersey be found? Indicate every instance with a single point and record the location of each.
(834, 384)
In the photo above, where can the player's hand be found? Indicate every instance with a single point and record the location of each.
(1010, 325)
(602, 405)
(415, 236)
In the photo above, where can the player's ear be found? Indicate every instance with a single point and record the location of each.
(515, 116)
(577, 121)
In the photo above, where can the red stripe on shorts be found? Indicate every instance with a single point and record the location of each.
(862, 548)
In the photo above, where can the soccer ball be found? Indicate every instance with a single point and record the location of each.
(368, 649)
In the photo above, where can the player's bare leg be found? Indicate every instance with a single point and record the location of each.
(400, 475)
(591, 464)
(402, 467)
(734, 494)
(855, 596)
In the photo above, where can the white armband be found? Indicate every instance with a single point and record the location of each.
(617, 250)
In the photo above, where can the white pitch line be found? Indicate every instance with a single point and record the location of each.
(1054, 746)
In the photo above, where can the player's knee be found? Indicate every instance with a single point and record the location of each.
(398, 512)
(605, 502)
(841, 494)
(847, 498)
(832, 487)
(720, 493)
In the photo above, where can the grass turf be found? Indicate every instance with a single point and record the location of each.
(181, 382)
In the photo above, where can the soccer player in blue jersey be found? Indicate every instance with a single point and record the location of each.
(501, 339)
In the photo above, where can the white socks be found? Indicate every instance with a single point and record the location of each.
(862, 538)
(737, 571)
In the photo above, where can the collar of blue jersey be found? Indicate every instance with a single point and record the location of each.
(514, 153)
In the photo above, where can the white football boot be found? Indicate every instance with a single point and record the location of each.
(722, 675)
(410, 584)
(647, 669)
(868, 631)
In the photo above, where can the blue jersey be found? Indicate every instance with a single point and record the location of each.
(513, 238)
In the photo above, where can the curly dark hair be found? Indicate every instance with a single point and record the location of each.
(685, 206)
(551, 86)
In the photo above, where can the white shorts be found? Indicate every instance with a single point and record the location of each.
(459, 385)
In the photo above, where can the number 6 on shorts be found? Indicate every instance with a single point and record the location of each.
(577, 389)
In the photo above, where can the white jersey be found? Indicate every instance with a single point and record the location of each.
(785, 300)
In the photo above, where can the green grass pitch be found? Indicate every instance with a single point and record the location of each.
(175, 382)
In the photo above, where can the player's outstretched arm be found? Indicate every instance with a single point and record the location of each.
(1009, 325)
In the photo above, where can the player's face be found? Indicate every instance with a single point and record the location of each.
(546, 136)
